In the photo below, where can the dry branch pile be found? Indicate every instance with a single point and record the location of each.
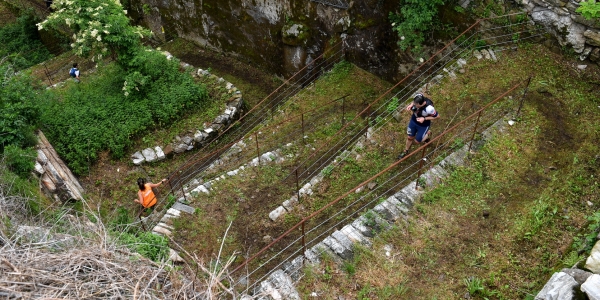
(80, 260)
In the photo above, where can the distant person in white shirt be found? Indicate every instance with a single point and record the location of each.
(74, 72)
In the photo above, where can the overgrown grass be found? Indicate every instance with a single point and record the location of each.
(500, 226)
(83, 119)
(20, 43)
(248, 199)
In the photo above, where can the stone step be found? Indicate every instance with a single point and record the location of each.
(183, 207)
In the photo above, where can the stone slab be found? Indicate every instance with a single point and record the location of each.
(355, 236)
(284, 284)
(560, 286)
(591, 287)
(593, 261)
(276, 213)
(184, 208)
(338, 248)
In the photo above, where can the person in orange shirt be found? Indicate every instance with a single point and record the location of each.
(146, 196)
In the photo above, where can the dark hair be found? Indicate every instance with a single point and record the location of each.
(141, 182)
(419, 99)
(74, 65)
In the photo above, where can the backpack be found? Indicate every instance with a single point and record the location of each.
(428, 102)
(72, 72)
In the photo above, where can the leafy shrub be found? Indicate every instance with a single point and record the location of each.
(589, 9)
(20, 43)
(586, 240)
(98, 115)
(20, 161)
(414, 21)
(18, 109)
(149, 245)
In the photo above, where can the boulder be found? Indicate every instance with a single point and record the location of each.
(149, 155)
(579, 275)
(180, 148)
(159, 153)
(560, 286)
(592, 37)
(593, 261)
(169, 151)
(591, 287)
(138, 158)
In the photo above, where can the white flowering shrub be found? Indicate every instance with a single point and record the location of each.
(99, 27)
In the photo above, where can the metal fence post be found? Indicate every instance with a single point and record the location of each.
(343, 108)
(303, 243)
(302, 120)
(297, 186)
(47, 74)
(474, 130)
(257, 149)
(420, 167)
(523, 97)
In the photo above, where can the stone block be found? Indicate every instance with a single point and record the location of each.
(560, 286)
(169, 151)
(160, 155)
(338, 248)
(294, 268)
(149, 155)
(355, 236)
(593, 261)
(290, 203)
(403, 198)
(276, 213)
(591, 287)
(284, 284)
(184, 208)
(162, 230)
(138, 158)
(173, 212)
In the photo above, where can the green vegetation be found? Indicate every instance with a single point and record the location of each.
(521, 209)
(83, 119)
(20, 45)
(590, 9)
(148, 244)
(414, 22)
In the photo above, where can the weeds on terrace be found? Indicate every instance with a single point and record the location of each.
(500, 226)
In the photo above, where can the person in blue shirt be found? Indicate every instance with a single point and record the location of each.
(423, 113)
(74, 72)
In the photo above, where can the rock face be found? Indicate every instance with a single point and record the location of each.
(280, 35)
(284, 36)
(560, 286)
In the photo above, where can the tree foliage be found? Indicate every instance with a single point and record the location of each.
(20, 44)
(19, 112)
(98, 27)
(415, 19)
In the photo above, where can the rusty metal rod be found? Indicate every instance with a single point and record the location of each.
(420, 166)
(257, 149)
(474, 131)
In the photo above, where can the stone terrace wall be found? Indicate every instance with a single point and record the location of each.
(571, 30)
